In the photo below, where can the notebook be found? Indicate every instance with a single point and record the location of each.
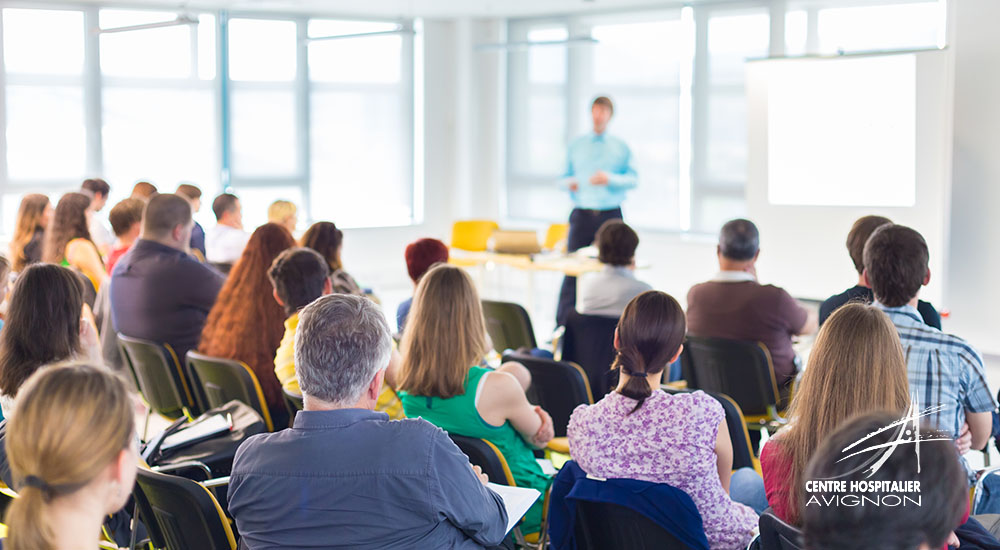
(198, 431)
(516, 500)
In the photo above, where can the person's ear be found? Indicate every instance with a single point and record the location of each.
(864, 278)
(375, 387)
(676, 355)
(618, 341)
(718, 250)
(177, 232)
(327, 286)
(927, 277)
(274, 292)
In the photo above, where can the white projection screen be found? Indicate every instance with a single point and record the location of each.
(834, 139)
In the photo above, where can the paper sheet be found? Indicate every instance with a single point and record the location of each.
(516, 500)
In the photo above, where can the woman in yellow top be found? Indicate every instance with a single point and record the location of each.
(67, 240)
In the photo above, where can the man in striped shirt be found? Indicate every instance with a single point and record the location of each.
(943, 369)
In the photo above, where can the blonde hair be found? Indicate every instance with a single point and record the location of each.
(281, 210)
(71, 423)
(855, 367)
(29, 218)
(445, 334)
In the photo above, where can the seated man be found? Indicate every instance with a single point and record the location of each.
(608, 291)
(225, 242)
(943, 369)
(126, 222)
(348, 477)
(159, 292)
(420, 256)
(856, 239)
(734, 305)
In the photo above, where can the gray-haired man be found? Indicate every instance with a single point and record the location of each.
(345, 476)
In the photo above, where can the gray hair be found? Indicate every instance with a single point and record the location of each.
(739, 240)
(340, 343)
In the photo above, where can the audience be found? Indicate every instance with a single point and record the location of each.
(225, 242)
(856, 366)
(126, 222)
(856, 239)
(325, 238)
(158, 291)
(943, 369)
(143, 190)
(420, 256)
(640, 432)
(245, 323)
(33, 217)
(73, 455)
(608, 291)
(443, 382)
(362, 481)
(944, 495)
(67, 239)
(98, 190)
(734, 305)
(283, 213)
(193, 195)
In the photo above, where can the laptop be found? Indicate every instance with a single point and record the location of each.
(506, 241)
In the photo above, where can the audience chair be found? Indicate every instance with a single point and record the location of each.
(556, 233)
(293, 402)
(589, 341)
(159, 376)
(223, 380)
(222, 267)
(778, 535)
(181, 514)
(743, 455)
(472, 235)
(600, 526)
(509, 326)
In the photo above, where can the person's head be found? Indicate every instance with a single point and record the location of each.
(4, 276)
(650, 336)
(71, 220)
(601, 110)
(99, 190)
(616, 243)
(445, 333)
(943, 496)
(143, 190)
(33, 214)
(739, 244)
(167, 220)
(856, 366)
(342, 348)
(192, 194)
(422, 254)
(299, 276)
(126, 219)
(72, 442)
(42, 324)
(228, 211)
(325, 238)
(896, 264)
(283, 213)
(858, 236)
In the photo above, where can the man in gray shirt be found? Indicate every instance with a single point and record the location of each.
(608, 291)
(345, 476)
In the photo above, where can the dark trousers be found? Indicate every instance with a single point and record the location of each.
(583, 225)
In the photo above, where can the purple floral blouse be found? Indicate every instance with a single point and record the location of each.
(670, 439)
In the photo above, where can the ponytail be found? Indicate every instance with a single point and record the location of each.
(27, 517)
(632, 363)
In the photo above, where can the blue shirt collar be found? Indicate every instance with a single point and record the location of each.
(339, 418)
(594, 136)
(904, 309)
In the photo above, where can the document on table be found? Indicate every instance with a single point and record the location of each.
(516, 500)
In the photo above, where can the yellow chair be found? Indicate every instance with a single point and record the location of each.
(472, 235)
(555, 234)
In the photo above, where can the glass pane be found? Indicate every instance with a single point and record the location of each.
(206, 47)
(638, 53)
(159, 53)
(796, 32)
(538, 202)
(726, 150)
(262, 50)
(714, 210)
(375, 59)
(900, 26)
(547, 63)
(545, 131)
(264, 137)
(731, 40)
(361, 160)
(255, 200)
(45, 123)
(43, 41)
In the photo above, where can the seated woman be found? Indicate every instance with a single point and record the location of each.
(73, 453)
(325, 238)
(442, 380)
(640, 432)
(283, 213)
(68, 242)
(29, 231)
(246, 323)
(856, 366)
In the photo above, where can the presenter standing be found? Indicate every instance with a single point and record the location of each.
(598, 172)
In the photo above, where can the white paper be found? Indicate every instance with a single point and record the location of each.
(547, 467)
(203, 428)
(516, 500)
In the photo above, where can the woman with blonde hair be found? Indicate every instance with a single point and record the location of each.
(73, 453)
(68, 242)
(443, 381)
(283, 213)
(29, 231)
(855, 367)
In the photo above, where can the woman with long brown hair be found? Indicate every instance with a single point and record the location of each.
(246, 323)
(856, 366)
(29, 231)
(325, 238)
(68, 242)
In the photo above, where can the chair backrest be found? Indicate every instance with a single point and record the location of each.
(293, 402)
(472, 235)
(484, 454)
(223, 380)
(555, 234)
(604, 525)
(162, 381)
(739, 436)
(181, 514)
(778, 535)
(589, 341)
(740, 369)
(509, 325)
(556, 386)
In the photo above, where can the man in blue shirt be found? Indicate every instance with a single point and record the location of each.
(346, 476)
(598, 173)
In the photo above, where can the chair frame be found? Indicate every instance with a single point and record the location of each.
(193, 357)
(145, 509)
(169, 356)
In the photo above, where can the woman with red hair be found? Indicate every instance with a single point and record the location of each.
(421, 254)
(246, 323)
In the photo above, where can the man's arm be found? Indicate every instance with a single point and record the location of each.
(978, 403)
(462, 497)
(624, 177)
(981, 428)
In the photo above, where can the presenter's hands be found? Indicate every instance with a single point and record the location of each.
(574, 186)
(483, 478)
(600, 177)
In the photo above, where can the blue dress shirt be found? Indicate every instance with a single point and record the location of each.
(353, 479)
(591, 153)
